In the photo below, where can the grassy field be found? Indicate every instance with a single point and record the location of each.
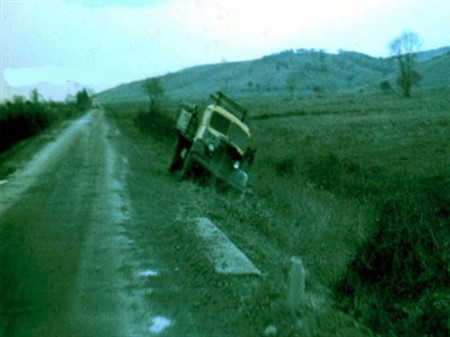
(396, 136)
(388, 154)
(358, 186)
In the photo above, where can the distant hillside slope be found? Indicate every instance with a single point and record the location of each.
(430, 54)
(305, 71)
(435, 72)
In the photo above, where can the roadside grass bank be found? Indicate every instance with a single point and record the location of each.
(362, 196)
(397, 282)
(247, 305)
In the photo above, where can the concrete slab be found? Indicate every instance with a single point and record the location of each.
(223, 254)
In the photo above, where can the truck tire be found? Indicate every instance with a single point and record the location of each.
(177, 160)
(186, 167)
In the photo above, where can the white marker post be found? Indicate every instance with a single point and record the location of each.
(296, 291)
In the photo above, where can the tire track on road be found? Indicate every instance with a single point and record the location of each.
(100, 305)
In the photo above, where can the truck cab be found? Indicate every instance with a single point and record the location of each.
(217, 140)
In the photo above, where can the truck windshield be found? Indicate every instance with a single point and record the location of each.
(232, 131)
(220, 123)
(238, 136)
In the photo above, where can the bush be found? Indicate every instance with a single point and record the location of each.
(385, 86)
(286, 166)
(83, 100)
(318, 89)
(155, 123)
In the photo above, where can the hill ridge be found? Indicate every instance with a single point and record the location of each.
(286, 73)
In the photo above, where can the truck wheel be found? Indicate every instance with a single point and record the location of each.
(177, 161)
(187, 164)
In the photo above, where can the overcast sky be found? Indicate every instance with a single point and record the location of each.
(100, 44)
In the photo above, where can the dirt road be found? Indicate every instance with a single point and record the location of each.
(84, 247)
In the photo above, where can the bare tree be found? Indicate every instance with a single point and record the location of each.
(405, 48)
(154, 89)
(34, 96)
(291, 83)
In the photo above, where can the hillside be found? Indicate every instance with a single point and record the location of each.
(436, 72)
(430, 54)
(305, 71)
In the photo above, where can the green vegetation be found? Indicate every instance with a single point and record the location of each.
(154, 122)
(394, 161)
(83, 100)
(289, 74)
(399, 281)
(154, 89)
(21, 118)
(152, 119)
(358, 185)
(385, 86)
(405, 48)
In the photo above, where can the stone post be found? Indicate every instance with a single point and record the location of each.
(296, 290)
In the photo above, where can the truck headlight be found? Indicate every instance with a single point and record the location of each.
(236, 165)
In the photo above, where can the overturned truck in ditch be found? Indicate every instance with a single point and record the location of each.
(216, 141)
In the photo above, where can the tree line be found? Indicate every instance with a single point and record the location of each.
(22, 117)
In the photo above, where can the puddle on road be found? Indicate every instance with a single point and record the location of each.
(148, 272)
(159, 323)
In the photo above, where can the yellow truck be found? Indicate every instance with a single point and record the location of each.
(216, 142)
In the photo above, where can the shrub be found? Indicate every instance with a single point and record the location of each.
(83, 100)
(318, 89)
(385, 86)
(155, 123)
(286, 166)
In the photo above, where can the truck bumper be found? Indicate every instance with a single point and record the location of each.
(236, 178)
